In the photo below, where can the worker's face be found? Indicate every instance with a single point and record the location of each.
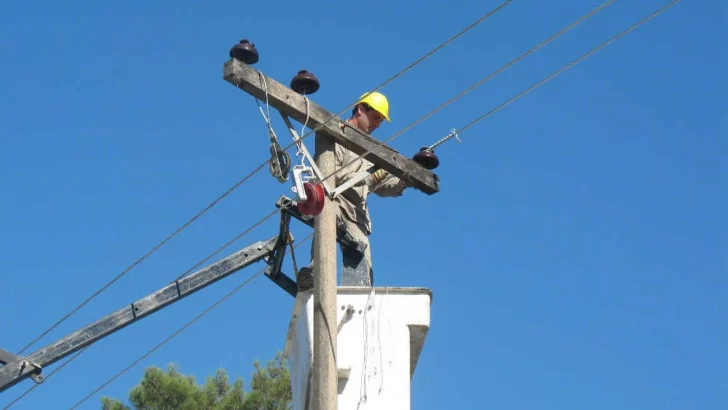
(369, 120)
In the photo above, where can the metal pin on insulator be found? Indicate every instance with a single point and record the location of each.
(427, 158)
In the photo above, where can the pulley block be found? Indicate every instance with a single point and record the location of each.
(427, 158)
(244, 51)
(305, 83)
(315, 198)
(310, 196)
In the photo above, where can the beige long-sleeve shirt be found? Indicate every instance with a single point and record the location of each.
(353, 201)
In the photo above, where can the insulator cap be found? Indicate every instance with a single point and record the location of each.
(426, 158)
(305, 83)
(244, 51)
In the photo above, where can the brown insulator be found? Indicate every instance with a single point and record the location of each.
(305, 83)
(244, 51)
(427, 158)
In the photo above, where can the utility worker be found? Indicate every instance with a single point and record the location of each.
(352, 211)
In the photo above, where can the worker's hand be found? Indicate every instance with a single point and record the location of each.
(379, 176)
(385, 184)
(376, 178)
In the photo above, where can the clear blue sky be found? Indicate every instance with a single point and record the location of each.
(574, 249)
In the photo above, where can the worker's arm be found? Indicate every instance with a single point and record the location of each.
(384, 184)
(380, 182)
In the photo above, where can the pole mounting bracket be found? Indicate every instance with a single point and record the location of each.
(9, 358)
(275, 258)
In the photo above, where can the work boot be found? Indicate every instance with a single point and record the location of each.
(304, 279)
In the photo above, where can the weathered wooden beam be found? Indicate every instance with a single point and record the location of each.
(292, 104)
(15, 371)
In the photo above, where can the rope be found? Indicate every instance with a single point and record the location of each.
(181, 329)
(299, 143)
(476, 85)
(293, 254)
(279, 164)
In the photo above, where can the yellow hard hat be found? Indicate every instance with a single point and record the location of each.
(377, 101)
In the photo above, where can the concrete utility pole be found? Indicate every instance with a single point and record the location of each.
(324, 313)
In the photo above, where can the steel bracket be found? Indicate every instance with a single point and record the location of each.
(275, 258)
(9, 358)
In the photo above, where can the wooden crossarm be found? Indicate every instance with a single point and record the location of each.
(293, 105)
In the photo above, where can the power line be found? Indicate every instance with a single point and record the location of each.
(181, 329)
(401, 72)
(477, 84)
(235, 186)
(138, 261)
(436, 49)
(566, 67)
(230, 242)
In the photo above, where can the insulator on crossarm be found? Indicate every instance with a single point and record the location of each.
(305, 83)
(244, 51)
(427, 158)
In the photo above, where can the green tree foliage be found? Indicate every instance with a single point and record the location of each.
(171, 390)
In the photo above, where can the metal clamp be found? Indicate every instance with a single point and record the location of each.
(301, 175)
(453, 134)
(7, 358)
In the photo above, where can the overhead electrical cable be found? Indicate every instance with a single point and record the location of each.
(140, 260)
(230, 242)
(566, 67)
(380, 144)
(255, 171)
(404, 70)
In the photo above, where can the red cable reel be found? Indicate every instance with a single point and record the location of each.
(310, 196)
